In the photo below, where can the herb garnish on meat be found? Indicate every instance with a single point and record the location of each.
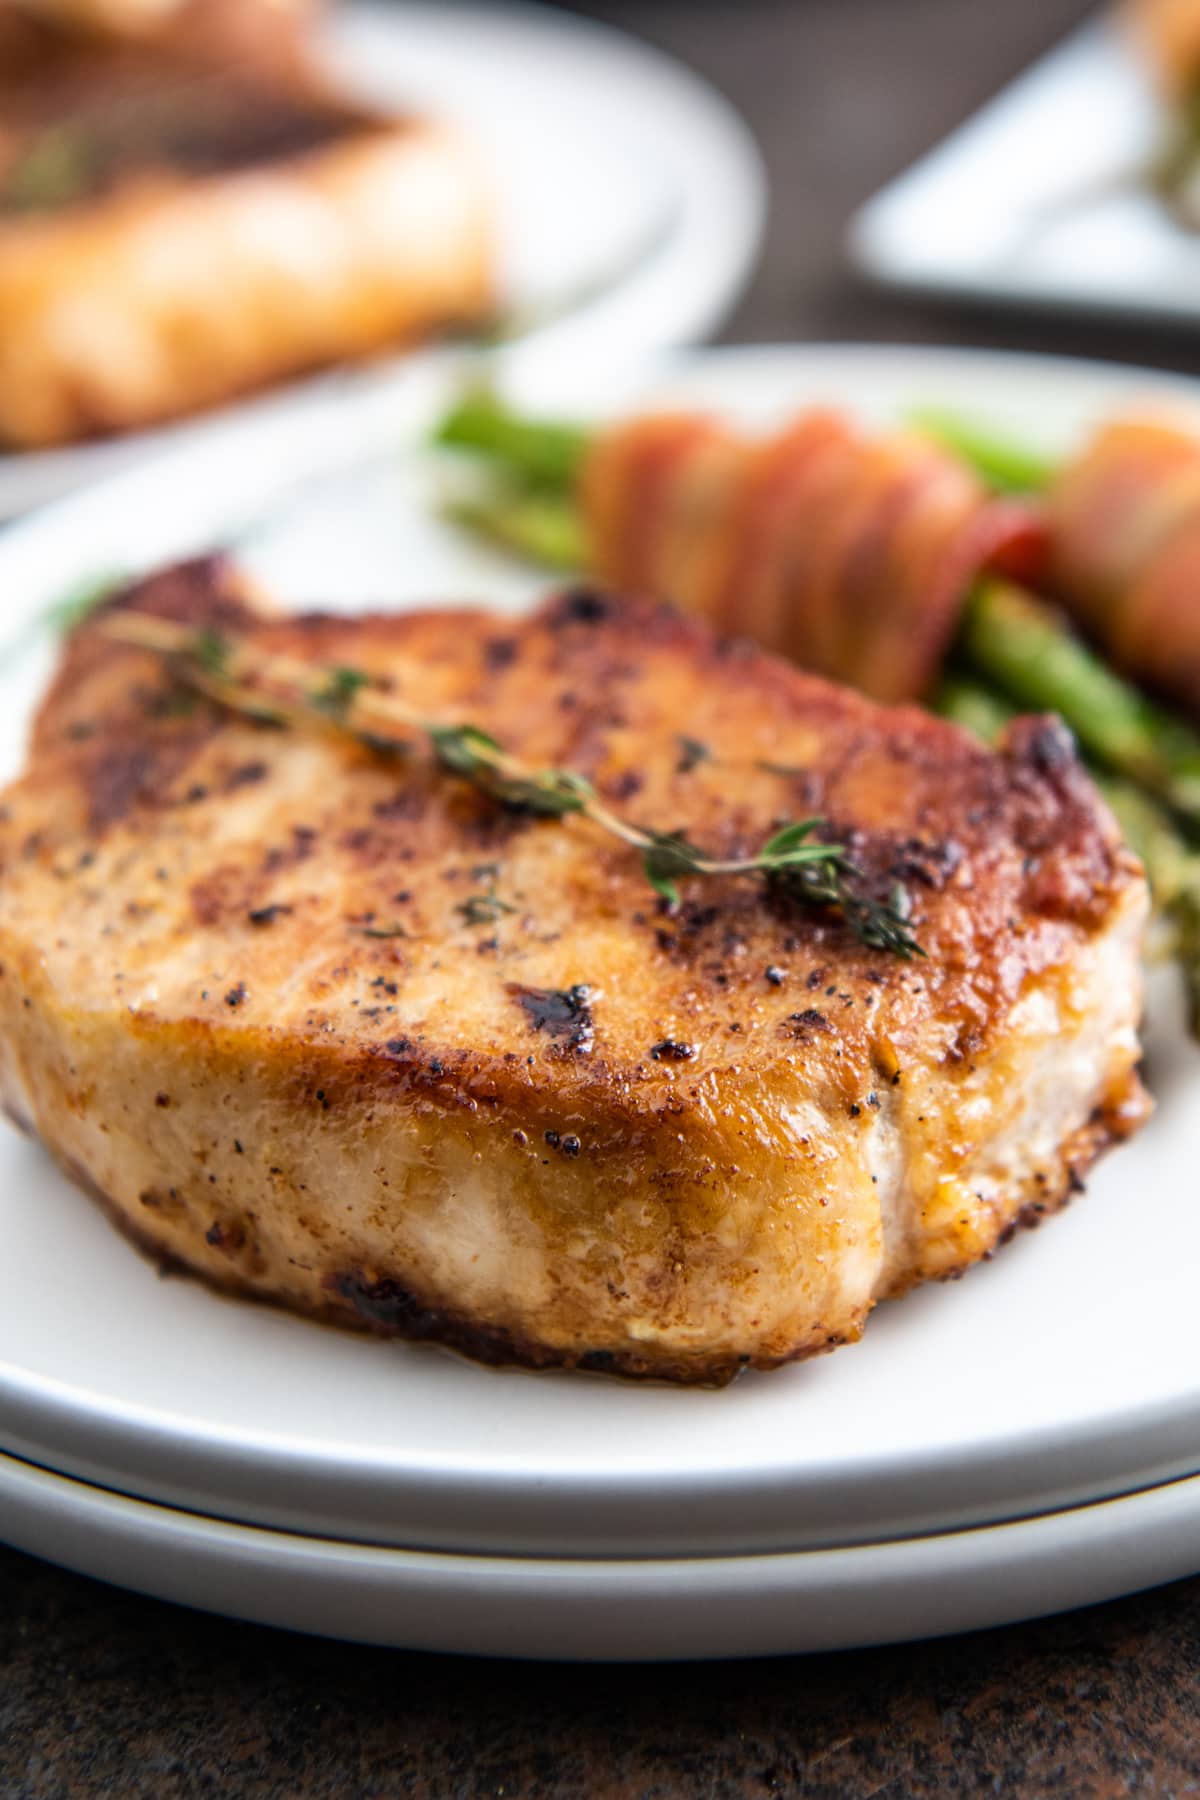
(794, 863)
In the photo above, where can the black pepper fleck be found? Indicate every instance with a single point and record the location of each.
(585, 605)
(810, 1019)
(266, 915)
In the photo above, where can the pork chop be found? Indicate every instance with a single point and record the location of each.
(341, 1032)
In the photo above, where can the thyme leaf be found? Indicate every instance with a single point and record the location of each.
(335, 695)
(551, 793)
(380, 744)
(665, 857)
(791, 846)
(210, 652)
(692, 752)
(483, 909)
(463, 749)
(786, 771)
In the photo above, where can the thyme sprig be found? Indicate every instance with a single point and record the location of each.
(793, 862)
(486, 907)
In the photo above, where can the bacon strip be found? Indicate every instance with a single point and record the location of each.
(849, 553)
(655, 492)
(1124, 521)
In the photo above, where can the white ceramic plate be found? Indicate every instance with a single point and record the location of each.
(1066, 1370)
(646, 1611)
(1037, 200)
(617, 172)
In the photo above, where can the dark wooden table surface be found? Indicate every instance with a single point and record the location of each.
(104, 1693)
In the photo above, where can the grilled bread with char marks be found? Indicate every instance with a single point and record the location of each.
(342, 1033)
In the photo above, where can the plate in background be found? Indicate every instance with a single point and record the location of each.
(618, 173)
(1038, 200)
(1068, 1369)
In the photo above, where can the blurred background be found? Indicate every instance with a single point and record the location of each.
(842, 95)
(205, 200)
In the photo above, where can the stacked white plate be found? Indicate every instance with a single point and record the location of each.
(1024, 1440)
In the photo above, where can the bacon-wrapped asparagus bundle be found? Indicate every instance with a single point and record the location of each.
(854, 553)
(849, 553)
(1124, 538)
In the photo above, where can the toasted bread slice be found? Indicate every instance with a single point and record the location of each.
(341, 1032)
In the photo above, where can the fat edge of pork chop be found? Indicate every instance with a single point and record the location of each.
(343, 1034)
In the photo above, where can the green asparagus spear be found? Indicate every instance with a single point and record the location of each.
(1184, 914)
(976, 708)
(1008, 467)
(1173, 871)
(1171, 865)
(1023, 647)
(551, 453)
(543, 528)
(542, 454)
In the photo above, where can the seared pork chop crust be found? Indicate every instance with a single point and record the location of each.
(338, 1031)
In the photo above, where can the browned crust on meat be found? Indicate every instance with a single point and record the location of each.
(1030, 816)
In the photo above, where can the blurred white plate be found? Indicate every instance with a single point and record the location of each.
(1037, 199)
(1066, 1371)
(618, 173)
(650, 1610)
